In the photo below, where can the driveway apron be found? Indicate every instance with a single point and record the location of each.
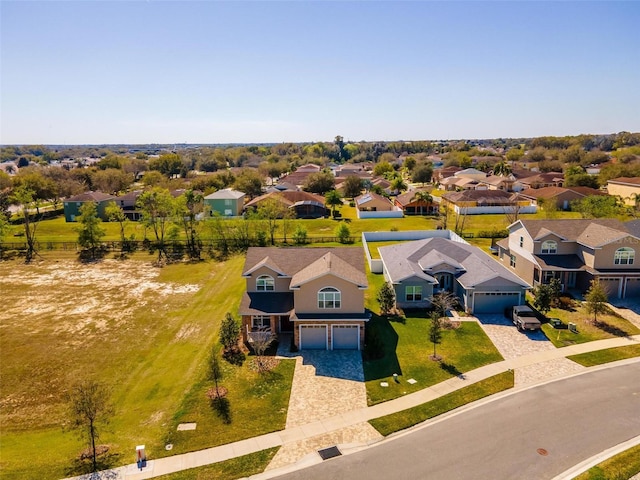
(512, 343)
(325, 383)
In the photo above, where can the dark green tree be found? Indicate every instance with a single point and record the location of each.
(90, 232)
(229, 333)
(435, 333)
(543, 298)
(352, 186)
(332, 199)
(422, 174)
(157, 207)
(24, 198)
(319, 182)
(386, 298)
(343, 233)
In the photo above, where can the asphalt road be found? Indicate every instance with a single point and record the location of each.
(572, 419)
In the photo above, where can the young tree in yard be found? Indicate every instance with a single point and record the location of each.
(596, 300)
(386, 298)
(300, 235)
(188, 206)
(115, 214)
(90, 233)
(435, 334)
(556, 290)
(442, 302)
(270, 210)
(229, 333)
(332, 199)
(343, 233)
(262, 340)
(89, 409)
(543, 298)
(157, 207)
(24, 197)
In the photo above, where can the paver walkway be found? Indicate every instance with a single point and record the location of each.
(329, 426)
(512, 343)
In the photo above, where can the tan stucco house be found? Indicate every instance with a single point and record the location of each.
(317, 294)
(574, 251)
(627, 188)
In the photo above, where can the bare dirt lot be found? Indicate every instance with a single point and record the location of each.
(59, 318)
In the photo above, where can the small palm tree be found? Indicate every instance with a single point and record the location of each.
(501, 169)
(422, 197)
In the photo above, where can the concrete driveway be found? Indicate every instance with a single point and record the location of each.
(325, 384)
(512, 343)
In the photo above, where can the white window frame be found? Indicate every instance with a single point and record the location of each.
(549, 247)
(413, 291)
(261, 321)
(263, 282)
(329, 298)
(512, 261)
(624, 256)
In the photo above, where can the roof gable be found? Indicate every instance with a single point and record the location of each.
(329, 264)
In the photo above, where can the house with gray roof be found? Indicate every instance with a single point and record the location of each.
(226, 202)
(316, 294)
(419, 269)
(575, 251)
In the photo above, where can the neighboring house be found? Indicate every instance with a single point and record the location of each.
(420, 269)
(411, 205)
(575, 252)
(627, 188)
(562, 196)
(454, 183)
(315, 293)
(499, 182)
(472, 173)
(303, 204)
(475, 202)
(445, 172)
(226, 203)
(372, 205)
(73, 204)
(540, 180)
(128, 204)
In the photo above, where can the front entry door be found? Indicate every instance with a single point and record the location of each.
(445, 281)
(286, 325)
(571, 279)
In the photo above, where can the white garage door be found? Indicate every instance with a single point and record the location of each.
(494, 302)
(313, 337)
(345, 337)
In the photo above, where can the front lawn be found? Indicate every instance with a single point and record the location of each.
(608, 355)
(407, 350)
(620, 467)
(239, 467)
(412, 416)
(609, 326)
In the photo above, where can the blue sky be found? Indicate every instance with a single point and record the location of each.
(221, 72)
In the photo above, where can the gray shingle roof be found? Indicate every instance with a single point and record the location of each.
(402, 261)
(225, 194)
(91, 197)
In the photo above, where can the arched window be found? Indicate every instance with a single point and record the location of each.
(624, 256)
(265, 283)
(549, 246)
(329, 297)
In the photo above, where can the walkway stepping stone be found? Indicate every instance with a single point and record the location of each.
(186, 426)
(412, 381)
(384, 384)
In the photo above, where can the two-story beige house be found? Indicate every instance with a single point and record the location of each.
(317, 294)
(575, 252)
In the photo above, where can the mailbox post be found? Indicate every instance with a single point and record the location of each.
(141, 457)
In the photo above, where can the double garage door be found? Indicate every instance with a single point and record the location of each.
(494, 302)
(316, 337)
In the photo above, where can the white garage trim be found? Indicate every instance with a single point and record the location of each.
(343, 328)
(308, 328)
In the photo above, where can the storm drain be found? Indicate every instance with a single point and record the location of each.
(327, 453)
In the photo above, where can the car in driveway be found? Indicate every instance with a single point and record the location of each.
(525, 318)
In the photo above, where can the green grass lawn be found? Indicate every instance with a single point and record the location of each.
(609, 326)
(151, 346)
(619, 467)
(605, 356)
(412, 416)
(407, 349)
(239, 467)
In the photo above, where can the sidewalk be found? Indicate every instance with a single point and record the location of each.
(163, 466)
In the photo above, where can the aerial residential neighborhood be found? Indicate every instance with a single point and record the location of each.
(319, 240)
